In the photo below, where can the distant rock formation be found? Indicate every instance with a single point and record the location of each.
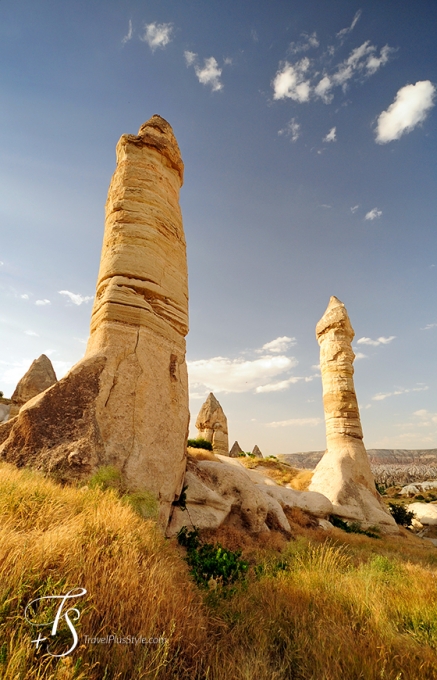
(235, 450)
(38, 378)
(256, 452)
(126, 403)
(212, 425)
(344, 474)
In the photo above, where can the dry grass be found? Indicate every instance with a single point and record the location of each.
(201, 454)
(318, 607)
(302, 480)
(281, 473)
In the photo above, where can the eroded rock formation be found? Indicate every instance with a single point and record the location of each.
(235, 450)
(38, 378)
(256, 452)
(126, 403)
(344, 474)
(212, 425)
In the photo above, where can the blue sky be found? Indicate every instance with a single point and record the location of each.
(308, 132)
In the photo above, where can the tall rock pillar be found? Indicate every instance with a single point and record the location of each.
(344, 474)
(126, 402)
(212, 425)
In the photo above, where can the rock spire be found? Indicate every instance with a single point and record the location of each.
(344, 474)
(212, 425)
(126, 403)
(38, 378)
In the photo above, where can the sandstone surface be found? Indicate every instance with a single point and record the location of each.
(212, 425)
(426, 513)
(38, 378)
(126, 403)
(344, 474)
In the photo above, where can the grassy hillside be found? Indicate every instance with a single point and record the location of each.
(317, 607)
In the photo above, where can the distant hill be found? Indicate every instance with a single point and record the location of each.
(389, 466)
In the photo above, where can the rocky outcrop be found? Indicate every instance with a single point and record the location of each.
(344, 474)
(226, 493)
(212, 425)
(38, 378)
(256, 452)
(235, 450)
(126, 403)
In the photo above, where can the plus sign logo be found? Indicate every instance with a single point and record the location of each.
(62, 614)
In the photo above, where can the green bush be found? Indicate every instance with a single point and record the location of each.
(401, 515)
(209, 561)
(106, 477)
(143, 503)
(353, 527)
(200, 444)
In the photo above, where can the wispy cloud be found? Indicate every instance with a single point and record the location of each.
(278, 345)
(221, 374)
(429, 326)
(354, 209)
(208, 74)
(284, 384)
(331, 136)
(360, 355)
(427, 418)
(157, 35)
(345, 31)
(373, 214)
(375, 343)
(291, 130)
(307, 422)
(384, 395)
(32, 333)
(128, 35)
(43, 303)
(308, 42)
(410, 108)
(76, 298)
(316, 78)
(24, 296)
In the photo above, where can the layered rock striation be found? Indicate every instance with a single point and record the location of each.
(212, 425)
(344, 474)
(126, 403)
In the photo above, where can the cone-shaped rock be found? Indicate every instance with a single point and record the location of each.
(256, 452)
(38, 378)
(235, 450)
(212, 425)
(344, 474)
(126, 403)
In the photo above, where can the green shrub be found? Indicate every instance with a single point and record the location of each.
(353, 527)
(143, 503)
(211, 562)
(200, 444)
(106, 477)
(401, 515)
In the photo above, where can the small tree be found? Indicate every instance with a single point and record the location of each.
(401, 515)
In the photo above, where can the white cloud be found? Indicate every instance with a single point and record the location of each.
(1, 263)
(42, 303)
(360, 355)
(32, 333)
(331, 136)
(410, 107)
(323, 88)
(428, 326)
(254, 35)
(157, 35)
(221, 374)
(311, 422)
(24, 296)
(292, 130)
(283, 384)
(290, 83)
(373, 214)
(128, 36)
(355, 208)
(427, 417)
(344, 31)
(384, 395)
(209, 74)
(76, 298)
(374, 62)
(375, 343)
(190, 57)
(308, 42)
(278, 345)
